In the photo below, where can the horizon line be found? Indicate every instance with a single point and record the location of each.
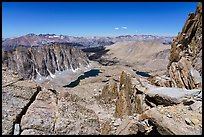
(89, 35)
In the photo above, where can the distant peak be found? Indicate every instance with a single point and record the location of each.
(31, 34)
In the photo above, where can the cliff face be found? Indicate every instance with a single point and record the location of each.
(45, 61)
(185, 62)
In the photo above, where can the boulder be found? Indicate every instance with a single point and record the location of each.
(41, 113)
(195, 105)
(61, 116)
(168, 126)
(168, 96)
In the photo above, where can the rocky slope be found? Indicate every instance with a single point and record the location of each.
(44, 61)
(185, 61)
(145, 56)
(137, 51)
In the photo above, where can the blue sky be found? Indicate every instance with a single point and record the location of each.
(94, 18)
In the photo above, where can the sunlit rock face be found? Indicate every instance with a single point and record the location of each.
(185, 61)
(186, 53)
(44, 61)
(123, 103)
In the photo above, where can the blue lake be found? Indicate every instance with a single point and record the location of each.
(144, 74)
(91, 73)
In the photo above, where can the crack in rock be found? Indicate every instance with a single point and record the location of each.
(16, 123)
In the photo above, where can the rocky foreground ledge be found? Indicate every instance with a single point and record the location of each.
(122, 107)
(29, 108)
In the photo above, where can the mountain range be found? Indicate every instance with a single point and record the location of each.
(83, 42)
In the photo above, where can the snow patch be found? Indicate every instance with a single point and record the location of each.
(72, 68)
(51, 75)
(16, 129)
(50, 36)
(38, 72)
(76, 69)
(56, 36)
(61, 37)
